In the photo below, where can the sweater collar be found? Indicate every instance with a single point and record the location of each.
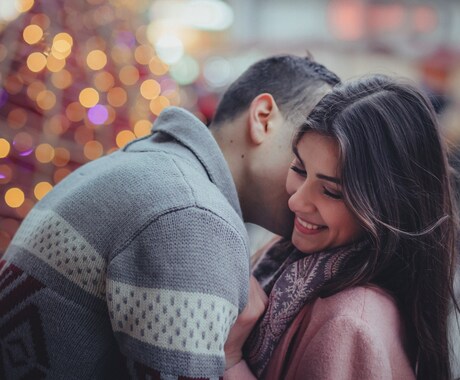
(193, 134)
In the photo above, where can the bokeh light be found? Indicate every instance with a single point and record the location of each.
(124, 137)
(4, 148)
(61, 156)
(96, 60)
(142, 128)
(98, 114)
(14, 197)
(36, 62)
(150, 89)
(32, 34)
(41, 189)
(88, 97)
(93, 149)
(78, 80)
(44, 153)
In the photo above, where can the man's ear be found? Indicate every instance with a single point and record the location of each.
(262, 111)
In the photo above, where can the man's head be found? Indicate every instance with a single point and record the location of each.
(254, 124)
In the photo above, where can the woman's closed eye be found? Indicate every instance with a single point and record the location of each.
(296, 167)
(332, 194)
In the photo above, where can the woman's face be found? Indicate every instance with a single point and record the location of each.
(322, 220)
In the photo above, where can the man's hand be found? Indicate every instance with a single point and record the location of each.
(257, 303)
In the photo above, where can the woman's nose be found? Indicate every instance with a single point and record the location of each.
(301, 201)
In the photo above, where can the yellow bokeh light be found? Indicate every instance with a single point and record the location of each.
(63, 37)
(62, 45)
(32, 34)
(14, 197)
(54, 64)
(129, 75)
(46, 100)
(61, 157)
(150, 89)
(61, 79)
(124, 137)
(159, 104)
(61, 49)
(4, 148)
(88, 97)
(93, 149)
(36, 62)
(142, 128)
(41, 189)
(104, 81)
(96, 60)
(158, 67)
(24, 5)
(44, 153)
(117, 97)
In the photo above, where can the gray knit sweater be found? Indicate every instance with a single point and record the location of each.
(135, 265)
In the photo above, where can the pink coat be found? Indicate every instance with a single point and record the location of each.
(355, 334)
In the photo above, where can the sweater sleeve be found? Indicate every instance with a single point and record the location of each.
(345, 348)
(174, 292)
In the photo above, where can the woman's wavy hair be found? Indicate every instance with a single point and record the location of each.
(397, 181)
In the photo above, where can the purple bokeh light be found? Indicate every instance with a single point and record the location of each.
(26, 152)
(98, 114)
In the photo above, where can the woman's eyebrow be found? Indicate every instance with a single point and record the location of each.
(320, 176)
(330, 179)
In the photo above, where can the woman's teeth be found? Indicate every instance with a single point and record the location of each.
(308, 225)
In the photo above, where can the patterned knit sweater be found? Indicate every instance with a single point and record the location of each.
(135, 265)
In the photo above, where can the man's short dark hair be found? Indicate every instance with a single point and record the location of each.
(296, 84)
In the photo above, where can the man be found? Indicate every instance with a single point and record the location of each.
(137, 263)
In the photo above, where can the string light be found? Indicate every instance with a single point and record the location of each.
(72, 86)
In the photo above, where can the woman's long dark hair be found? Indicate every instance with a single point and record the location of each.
(396, 180)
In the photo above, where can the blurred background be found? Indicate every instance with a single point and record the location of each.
(81, 78)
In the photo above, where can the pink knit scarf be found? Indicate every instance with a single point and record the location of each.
(295, 283)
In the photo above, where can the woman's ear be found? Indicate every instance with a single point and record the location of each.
(262, 111)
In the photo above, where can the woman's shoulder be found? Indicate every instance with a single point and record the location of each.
(365, 304)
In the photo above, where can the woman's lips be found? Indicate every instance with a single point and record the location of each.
(307, 228)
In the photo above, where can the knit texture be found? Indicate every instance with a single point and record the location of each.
(135, 265)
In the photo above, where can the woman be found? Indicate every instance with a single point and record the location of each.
(366, 290)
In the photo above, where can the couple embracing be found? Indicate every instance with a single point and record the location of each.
(137, 264)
